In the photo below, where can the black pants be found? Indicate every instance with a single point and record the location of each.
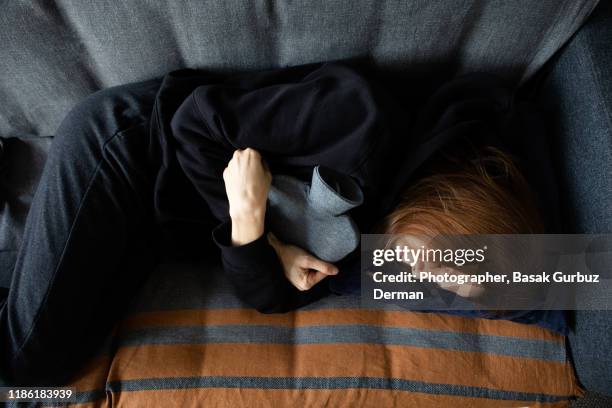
(89, 240)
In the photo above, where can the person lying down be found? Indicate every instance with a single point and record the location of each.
(286, 167)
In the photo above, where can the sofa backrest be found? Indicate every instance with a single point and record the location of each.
(54, 53)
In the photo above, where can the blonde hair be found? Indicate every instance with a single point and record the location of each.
(482, 194)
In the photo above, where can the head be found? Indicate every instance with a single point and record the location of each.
(478, 193)
(462, 194)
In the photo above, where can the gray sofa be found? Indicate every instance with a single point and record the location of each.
(54, 53)
(576, 93)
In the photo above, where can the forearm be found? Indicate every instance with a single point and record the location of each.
(256, 273)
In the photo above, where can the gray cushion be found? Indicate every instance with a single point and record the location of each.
(593, 400)
(53, 53)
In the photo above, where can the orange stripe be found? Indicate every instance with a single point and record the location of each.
(363, 360)
(253, 398)
(426, 321)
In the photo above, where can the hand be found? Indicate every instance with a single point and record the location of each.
(301, 269)
(247, 182)
(466, 290)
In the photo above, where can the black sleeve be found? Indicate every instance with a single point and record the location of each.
(253, 269)
(296, 118)
(256, 273)
(202, 156)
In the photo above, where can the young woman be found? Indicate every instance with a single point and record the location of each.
(144, 172)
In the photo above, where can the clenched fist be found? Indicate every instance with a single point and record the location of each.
(247, 182)
(302, 269)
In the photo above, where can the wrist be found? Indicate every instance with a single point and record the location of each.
(247, 227)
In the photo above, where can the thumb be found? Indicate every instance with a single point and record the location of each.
(314, 277)
(320, 266)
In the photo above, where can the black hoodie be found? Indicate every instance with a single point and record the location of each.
(330, 114)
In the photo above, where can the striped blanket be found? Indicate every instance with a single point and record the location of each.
(189, 342)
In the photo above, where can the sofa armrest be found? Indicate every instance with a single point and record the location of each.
(576, 95)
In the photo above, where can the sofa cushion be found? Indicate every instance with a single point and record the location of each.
(188, 338)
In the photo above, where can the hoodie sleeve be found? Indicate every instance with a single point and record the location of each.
(320, 114)
(202, 155)
(296, 118)
(256, 273)
(254, 269)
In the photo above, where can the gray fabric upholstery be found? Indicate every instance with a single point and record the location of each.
(54, 53)
(593, 400)
(577, 96)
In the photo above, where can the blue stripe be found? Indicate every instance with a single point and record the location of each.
(89, 396)
(329, 383)
(314, 383)
(339, 334)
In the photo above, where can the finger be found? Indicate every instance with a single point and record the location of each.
(313, 277)
(470, 290)
(272, 238)
(275, 243)
(252, 152)
(326, 268)
(301, 283)
(253, 157)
